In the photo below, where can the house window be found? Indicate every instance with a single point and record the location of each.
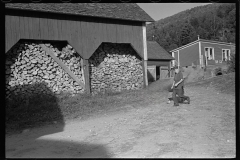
(225, 54)
(209, 53)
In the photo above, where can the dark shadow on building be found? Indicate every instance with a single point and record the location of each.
(150, 76)
(29, 110)
(28, 105)
(32, 112)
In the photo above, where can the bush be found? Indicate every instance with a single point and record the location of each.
(231, 64)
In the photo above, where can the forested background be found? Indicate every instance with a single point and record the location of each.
(212, 22)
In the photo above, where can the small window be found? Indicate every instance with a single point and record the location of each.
(225, 54)
(209, 53)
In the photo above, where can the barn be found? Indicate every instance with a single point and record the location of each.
(202, 53)
(158, 61)
(81, 47)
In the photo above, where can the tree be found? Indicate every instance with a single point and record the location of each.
(212, 22)
(172, 46)
(194, 22)
(202, 33)
(187, 32)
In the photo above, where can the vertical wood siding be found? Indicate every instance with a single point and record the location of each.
(43, 28)
(12, 31)
(8, 43)
(36, 28)
(83, 33)
(111, 32)
(26, 27)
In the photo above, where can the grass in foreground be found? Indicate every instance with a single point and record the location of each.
(42, 109)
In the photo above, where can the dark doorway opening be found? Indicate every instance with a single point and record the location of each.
(157, 72)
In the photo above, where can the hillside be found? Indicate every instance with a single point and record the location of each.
(213, 22)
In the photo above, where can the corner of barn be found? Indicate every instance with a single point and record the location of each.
(50, 54)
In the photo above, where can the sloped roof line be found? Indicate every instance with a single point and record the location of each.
(201, 40)
(156, 52)
(184, 46)
(210, 41)
(124, 11)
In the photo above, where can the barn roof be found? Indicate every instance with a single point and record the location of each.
(125, 11)
(155, 51)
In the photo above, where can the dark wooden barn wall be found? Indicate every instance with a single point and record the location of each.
(83, 33)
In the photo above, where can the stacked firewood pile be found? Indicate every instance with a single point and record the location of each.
(115, 67)
(27, 64)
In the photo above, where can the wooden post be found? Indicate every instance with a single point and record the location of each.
(82, 66)
(173, 61)
(159, 72)
(200, 53)
(155, 73)
(169, 70)
(178, 60)
(145, 79)
(86, 76)
(160, 69)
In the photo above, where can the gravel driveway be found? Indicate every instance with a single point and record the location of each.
(204, 128)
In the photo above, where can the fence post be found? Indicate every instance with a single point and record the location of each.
(86, 76)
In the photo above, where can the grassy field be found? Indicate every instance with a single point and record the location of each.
(41, 110)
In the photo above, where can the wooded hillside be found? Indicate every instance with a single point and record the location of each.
(212, 22)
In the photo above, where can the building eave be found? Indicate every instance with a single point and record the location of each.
(203, 41)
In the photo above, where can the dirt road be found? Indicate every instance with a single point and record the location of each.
(205, 128)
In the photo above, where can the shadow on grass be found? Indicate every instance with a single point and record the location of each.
(24, 111)
(37, 110)
(46, 148)
(46, 143)
(39, 119)
(27, 105)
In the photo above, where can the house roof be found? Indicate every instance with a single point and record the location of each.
(202, 40)
(155, 51)
(125, 11)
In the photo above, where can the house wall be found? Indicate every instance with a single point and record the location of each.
(217, 50)
(188, 55)
(85, 34)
